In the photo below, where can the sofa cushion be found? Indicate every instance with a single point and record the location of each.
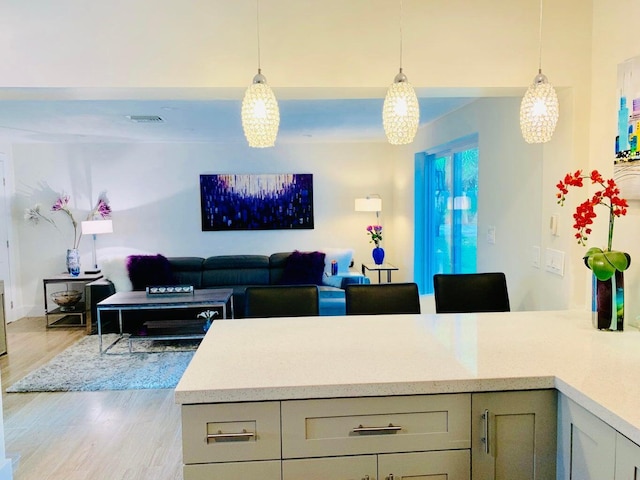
(277, 262)
(145, 270)
(187, 270)
(303, 268)
(114, 269)
(344, 257)
(225, 270)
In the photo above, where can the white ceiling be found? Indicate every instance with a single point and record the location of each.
(196, 120)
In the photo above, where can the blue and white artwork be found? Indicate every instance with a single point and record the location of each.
(256, 202)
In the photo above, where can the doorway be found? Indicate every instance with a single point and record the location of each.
(446, 206)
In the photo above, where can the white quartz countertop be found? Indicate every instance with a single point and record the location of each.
(347, 356)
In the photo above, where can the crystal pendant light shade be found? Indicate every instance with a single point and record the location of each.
(539, 111)
(400, 112)
(260, 114)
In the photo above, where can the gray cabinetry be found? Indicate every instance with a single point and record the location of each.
(329, 439)
(3, 322)
(367, 438)
(514, 435)
(627, 459)
(586, 444)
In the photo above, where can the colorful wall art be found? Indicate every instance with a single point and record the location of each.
(256, 202)
(626, 170)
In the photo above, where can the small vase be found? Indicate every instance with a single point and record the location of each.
(73, 261)
(378, 255)
(607, 303)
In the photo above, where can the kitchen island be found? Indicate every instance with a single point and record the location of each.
(272, 360)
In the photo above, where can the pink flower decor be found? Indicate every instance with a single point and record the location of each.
(376, 234)
(61, 204)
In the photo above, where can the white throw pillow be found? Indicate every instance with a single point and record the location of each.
(343, 256)
(115, 270)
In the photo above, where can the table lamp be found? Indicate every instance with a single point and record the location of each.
(96, 227)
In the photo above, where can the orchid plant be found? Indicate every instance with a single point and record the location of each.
(208, 316)
(376, 234)
(101, 208)
(603, 263)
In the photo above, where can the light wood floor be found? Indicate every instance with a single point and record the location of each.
(128, 435)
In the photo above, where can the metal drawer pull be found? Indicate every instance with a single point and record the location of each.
(244, 435)
(485, 431)
(390, 477)
(388, 429)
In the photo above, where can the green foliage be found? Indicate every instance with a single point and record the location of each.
(605, 263)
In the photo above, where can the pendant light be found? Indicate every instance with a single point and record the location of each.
(400, 112)
(539, 107)
(260, 113)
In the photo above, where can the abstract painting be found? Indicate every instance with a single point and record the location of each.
(256, 202)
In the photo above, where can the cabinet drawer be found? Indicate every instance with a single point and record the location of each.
(241, 470)
(230, 432)
(333, 468)
(447, 464)
(351, 426)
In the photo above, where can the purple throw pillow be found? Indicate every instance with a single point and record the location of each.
(147, 270)
(303, 268)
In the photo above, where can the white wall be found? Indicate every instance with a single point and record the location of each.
(154, 193)
(611, 46)
(509, 193)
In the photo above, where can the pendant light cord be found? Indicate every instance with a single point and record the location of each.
(400, 35)
(540, 42)
(258, 30)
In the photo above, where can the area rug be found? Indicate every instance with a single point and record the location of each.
(154, 364)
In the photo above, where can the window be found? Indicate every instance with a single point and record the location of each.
(446, 228)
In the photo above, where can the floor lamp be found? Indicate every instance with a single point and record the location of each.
(369, 204)
(96, 227)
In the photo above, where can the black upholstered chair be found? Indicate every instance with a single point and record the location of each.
(381, 298)
(471, 292)
(281, 301)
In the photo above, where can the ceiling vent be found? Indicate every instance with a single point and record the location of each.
(145, 118)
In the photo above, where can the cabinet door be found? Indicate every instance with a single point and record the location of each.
(586, 445)
(443, 465)
(360, 467)
(514, 435)
(627, 459)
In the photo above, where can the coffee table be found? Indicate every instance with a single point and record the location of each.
(123, 301)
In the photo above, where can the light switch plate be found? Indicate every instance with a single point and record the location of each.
(554, 261)
(535, 256)
(491, 234)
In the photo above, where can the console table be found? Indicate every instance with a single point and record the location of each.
(385, 267)
(77, 316)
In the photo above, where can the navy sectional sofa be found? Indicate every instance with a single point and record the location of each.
(238, 272)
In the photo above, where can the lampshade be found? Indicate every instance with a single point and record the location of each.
(260, 114)
(539, 110)
(96, 227)
(401, 111)
(368, 204)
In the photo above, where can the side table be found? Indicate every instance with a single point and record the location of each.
(75, 316)
(385, 267)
